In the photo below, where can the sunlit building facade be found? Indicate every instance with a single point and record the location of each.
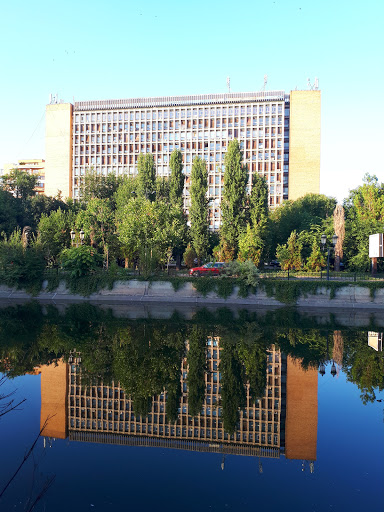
(35, 167)
(279, 135)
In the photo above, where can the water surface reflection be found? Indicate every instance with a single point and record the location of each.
(218, 384)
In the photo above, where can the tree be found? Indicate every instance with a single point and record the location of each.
(20, 266)
(252, 241)
(258, 203)
(80, 261)
(20, 183)
(98, 223)
(177, 178)
(162, 189)
(54, 233)
(301, 215)
(339, 227)
(289, 254)
(170, 231)
(146, 176)
(364, 211)
(149, 229)
(133, 228)
(176, 189)
(198, 212)
(96, 185)
(40, 204)
(189, 256)
(316, 259)
(251, 245)
(234, 199)
(124, 194)
(126, 191)
(9, 212)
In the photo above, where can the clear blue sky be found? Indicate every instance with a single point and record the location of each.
(103, 50)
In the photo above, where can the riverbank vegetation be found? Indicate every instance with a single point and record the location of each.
(139, 223)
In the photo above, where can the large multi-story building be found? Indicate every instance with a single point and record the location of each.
(35, 166)
(279, 135)
(283, 421)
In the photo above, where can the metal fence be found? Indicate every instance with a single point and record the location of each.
(322, 276)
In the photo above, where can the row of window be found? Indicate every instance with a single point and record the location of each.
(179, 125)
(98, 139)
(95, 145)
(155, 419)
(110, 426)
(181, 113)
(163, 159)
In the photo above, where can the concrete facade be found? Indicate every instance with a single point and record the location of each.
(58, 149)
(347, 297)
(304, 143)
(278, 133)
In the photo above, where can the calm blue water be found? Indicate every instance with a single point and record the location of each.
(347, 473)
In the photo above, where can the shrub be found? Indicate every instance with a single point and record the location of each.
(189, 256)
(21, 267)
(245, 270)
(80, 261)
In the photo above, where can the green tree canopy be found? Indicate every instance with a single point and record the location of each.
(39, 205)
(95, 185)
(258, 203)
(364, 210)
(252, 241)
(234, 200)
(54, 233)
(146, 176)
(20, 183)
(198, 211)
(10, 212)
(289, 254)
(98, 223)
(177, 178)
(154, 226)
(300, 215)
(126, 191)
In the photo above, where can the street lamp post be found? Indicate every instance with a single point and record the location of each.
(323, 240)
(73, 236)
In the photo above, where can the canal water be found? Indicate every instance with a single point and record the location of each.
(152, 408)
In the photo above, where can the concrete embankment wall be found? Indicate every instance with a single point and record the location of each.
(348, 296)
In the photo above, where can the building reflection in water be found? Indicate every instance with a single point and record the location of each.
(375, 340)
(282, 422)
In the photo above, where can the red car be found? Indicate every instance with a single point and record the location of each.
(209, 269)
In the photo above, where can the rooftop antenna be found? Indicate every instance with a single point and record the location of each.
(53, 99)
(265, 82)
(229, 83)
(315, 86)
